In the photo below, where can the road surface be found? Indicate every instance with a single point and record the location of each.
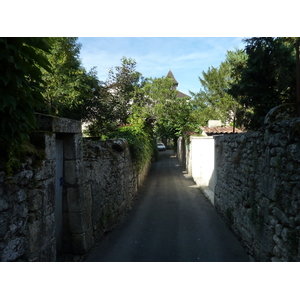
(171, 221)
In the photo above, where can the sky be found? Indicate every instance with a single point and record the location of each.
(186, 57)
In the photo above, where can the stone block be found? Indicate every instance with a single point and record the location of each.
(119, 144)
(48, 196)
(278, 229)
(87, 196)
(71, 174)
(82, 242)
(46, 253)
(265, 209)
(14, 249)
(46, 170)
(4, 203)
(35, 199)
(21, 195)
(293, 150)
(50, 146)
(245, 234)
(24, 177)
(64, 125)
(283, 219)
(80, 222)
(56, 124)
(72, 146)
(50, 227)
(74, 200)
(266, 186)
(267, 242)
(278, 241)
(277, 251)
(35, 234)
(4, 223)
(297, 220)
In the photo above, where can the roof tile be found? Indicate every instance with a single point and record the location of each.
(219, 130)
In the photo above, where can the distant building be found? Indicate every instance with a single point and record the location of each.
(179, 94)
(214, 128)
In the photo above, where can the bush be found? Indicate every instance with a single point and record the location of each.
(141, 143)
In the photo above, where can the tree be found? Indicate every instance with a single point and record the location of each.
(237, 61)
(213, 101)
(175, 120)
(170, 115)
(156, 92)
(133, 100)
(70, 90)
(268, 79)
(21, 61)
(113, 104)
(124, 83)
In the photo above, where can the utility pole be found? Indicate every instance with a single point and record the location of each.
(234, 113)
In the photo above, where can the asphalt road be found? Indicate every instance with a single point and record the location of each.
(171, 221)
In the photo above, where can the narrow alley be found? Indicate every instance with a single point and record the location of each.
(171, 221)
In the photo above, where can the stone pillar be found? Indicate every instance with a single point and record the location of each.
(78, 203)
(77, 225)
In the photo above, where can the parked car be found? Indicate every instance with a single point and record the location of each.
(161, 147)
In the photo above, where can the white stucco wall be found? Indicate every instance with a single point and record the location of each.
(203, 154)
(202, 163)
(198, 158)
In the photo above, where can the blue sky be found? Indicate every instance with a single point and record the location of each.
(186, 57)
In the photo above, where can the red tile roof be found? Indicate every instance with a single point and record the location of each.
(219, 130)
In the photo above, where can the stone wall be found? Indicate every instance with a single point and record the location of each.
(258, 189)
(44, 214)
(27, 229)
(113, 180)
(182, 152)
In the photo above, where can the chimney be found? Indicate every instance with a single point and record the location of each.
(214, 123)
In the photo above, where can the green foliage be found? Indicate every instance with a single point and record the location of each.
(21, 61)
(268, 79)
(116, 101)
(213, 102)
(175, 119)
(152, 101)
(70, 91)
(140, 139)
(171, 116)
(124, 83)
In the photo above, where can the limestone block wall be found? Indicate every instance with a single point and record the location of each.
(258, 189)
(66, 195)
(27, 229)
(113, 180)
(183, 153)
